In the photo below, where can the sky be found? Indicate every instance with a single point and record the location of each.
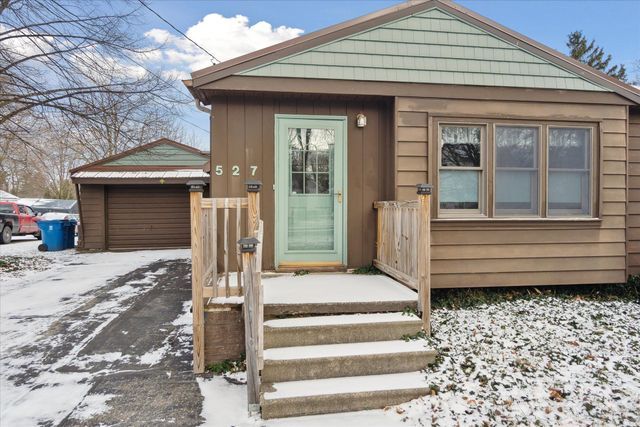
(229, 28)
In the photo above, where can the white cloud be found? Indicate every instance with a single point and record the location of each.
(224, 37)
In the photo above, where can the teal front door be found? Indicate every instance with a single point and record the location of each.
(310, 189)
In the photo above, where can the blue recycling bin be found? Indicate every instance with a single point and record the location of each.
(57, 234)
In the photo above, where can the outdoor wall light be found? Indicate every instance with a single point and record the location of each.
(424, 189)
(361, 120)
(248, 244)
(253, 186)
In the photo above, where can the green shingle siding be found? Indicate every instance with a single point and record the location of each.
(160, 155)
(432, 47)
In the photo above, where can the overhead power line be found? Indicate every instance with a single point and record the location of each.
(179, 31)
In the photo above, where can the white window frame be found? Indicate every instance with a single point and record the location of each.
(481, 212)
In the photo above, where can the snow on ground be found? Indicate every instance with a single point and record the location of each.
(544, 361)
(36, 383)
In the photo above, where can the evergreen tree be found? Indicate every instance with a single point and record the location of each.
(589, 53)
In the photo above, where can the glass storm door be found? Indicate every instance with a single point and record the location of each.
(310, 190)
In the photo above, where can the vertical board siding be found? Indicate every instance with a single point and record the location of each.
(633, 177)
(492, 253)
(243, 134)
(93, 216)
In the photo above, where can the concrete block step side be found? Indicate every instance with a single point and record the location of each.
(275, 310)
(337, 334)
(346, 366)
(334, 403)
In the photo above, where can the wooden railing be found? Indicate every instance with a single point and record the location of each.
(253, 310)
(206, 281)
(404, 245)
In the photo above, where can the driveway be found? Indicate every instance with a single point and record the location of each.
(96, 338)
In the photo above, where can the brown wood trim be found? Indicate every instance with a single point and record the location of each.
(289, 267)
(80, 228)
(105, 217)
(140, 148)
(424, 90)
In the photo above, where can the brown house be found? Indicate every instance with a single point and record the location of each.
(138, 199)
(534, 157)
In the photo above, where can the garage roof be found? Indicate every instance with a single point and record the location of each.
(161, 161)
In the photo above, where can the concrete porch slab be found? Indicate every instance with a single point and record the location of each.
(334, 293)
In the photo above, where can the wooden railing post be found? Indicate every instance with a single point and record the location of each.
(424, 254)
(196, 188)
(252, 318)
(253, 206)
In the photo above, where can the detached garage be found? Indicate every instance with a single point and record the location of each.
(138, 199)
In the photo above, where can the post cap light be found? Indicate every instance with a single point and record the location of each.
(196, 186)
(361, 120)
(253, 186)
(248, 244)
(424, 189)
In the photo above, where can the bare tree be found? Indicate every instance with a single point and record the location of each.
(74, 87)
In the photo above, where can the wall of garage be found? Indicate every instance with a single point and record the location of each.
(128, 217)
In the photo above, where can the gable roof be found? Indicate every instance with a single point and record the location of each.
(159, 155)
(406, 43)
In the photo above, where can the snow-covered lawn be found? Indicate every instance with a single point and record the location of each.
(545, 361)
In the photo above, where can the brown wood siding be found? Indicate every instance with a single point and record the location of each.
(243, 134)
(516, 253)
(147, 216)
(633, 177)
(92, 216)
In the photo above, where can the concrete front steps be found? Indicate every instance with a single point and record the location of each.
(349, 362)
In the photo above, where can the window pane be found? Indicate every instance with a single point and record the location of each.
(568, 193)
(516, 170)
(569, 148)
(460, 146)
(569, 171)
(296, 161)
(459, 189)
(310, 183)
(516, 147)
(516, 191)
(296, 183)
(323, 183)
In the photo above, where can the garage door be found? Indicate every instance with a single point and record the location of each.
(149, 216)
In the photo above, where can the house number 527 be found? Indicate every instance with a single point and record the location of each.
(235, 170)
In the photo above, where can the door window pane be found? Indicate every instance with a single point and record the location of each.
(459, 189)
(311, 202)
(569, 171)
(516, 189)
(311, 160)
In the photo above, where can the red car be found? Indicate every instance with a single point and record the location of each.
(16, 220)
